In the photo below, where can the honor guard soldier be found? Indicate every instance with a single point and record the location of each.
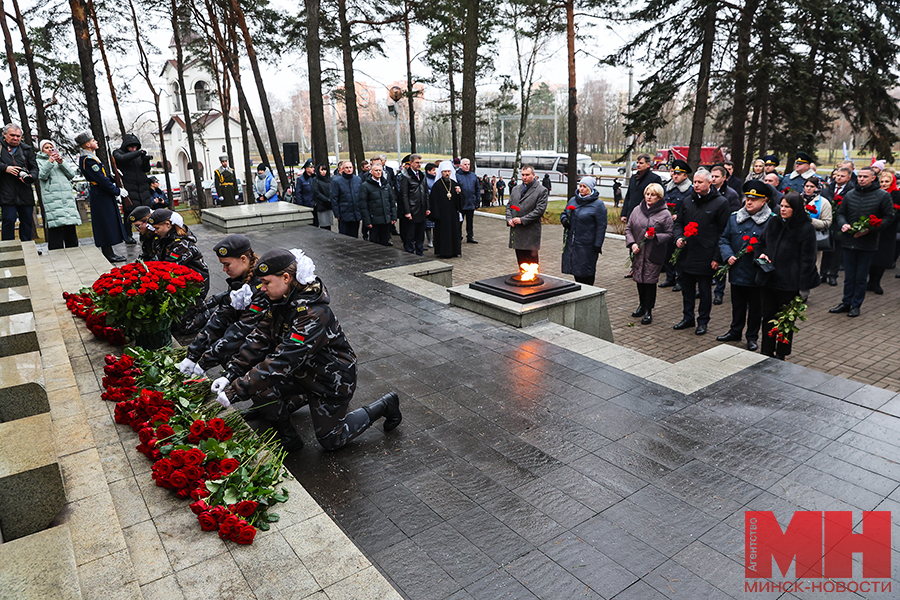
(226, 183)
(297, 354)
(105, 216)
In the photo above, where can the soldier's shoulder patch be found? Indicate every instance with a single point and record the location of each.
(96, 167)
(301, 308)
(299, 339)
(255, 308)
(269, 314)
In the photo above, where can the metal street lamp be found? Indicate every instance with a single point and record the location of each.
(395, 94)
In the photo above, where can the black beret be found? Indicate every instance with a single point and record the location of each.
(770, 159)
(757, 189)
(681, 166)
(232, 246)
(160, 215)
(274, 261)
(803, 157)
(139, 213)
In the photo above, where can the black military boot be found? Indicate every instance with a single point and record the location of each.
(388, 406)
(288, 437)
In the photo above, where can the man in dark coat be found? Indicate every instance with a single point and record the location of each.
(719, 175)
(859, 248)
(546, 182)
(831, 259)
(642, 177)
(105, 221)
(744, 226)
(18, 170)
(345, 199)
(734, 182)
(133, 165)
(527, 204)
(802, 171)
(677, 190)
(471, 191)
(414, 206)
(501, 188)
(697, 262)
(378, 206)
(226, 183)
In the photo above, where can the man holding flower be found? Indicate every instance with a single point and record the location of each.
(744, 229)
(859, 243)
(697, 260)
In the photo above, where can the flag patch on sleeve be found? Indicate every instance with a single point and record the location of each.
(255, 308)
(173, 255)
(297, 338)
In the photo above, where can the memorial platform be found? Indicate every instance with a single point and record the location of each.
(249, 217)
(533, 462)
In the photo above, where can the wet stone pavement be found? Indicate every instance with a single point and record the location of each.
(525, 470)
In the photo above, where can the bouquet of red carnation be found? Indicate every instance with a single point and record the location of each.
(836, 203)
(143, 292)
(786, 319)
(811, 209)
(671, 206)
(649, 235)
(690, 230)
(748, 247)
(864, 224)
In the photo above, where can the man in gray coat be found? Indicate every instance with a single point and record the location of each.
(527, 203)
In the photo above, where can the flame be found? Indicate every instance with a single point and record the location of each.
(529, 271)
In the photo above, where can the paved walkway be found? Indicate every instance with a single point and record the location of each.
(863, 349)
(525, 469)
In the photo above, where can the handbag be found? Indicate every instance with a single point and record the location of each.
(824, 240)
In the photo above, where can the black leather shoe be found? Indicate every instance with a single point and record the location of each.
(729, 337)
(841, 308)
(717, 300)
(677, 287)
(854, 312)
(471, 241)
(877, 290)
(833, 282)
(684, 324)
(130, 241)
(288, 437)
(116, 258)
(667, 283)
(701, 330)
(752, 346)
(388, 406)
(640, 312)
(648, 318)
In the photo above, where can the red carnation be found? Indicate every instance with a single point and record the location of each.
(569, 207)
(514, 207)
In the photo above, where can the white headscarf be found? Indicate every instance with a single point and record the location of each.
(446, 165)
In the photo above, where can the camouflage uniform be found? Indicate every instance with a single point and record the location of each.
(228, 327)
(298, 353)
(183, 251)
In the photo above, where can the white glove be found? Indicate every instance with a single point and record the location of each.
(240, 299)
(123, 192)
(186, 366)
(219, 385)
(223, 400)
(199, 372)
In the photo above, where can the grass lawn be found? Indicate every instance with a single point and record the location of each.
(555, 208)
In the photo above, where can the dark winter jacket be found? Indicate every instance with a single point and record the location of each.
(711, 213)
(862, 202)
(304, 195)
(471, 189)
(297, 347)
(584, 228)
(887, 237)
(133, 167)
(12, 191)
(675, 195)
(321, 187)
(345, 197)
(106, 220)
(182, 249)
(744, 271)
(377, 202)
(413, 195)
(736, 184)
(230, 324)
(791, 247)
(635, 193)
(735, 200)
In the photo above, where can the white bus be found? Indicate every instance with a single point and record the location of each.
(544, 162)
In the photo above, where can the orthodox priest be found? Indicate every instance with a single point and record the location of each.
(446, 206)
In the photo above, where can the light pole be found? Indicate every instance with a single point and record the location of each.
(396, 94)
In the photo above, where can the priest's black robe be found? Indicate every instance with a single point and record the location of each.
(445, 213)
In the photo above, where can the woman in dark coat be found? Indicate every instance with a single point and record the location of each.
(648, 249)
(321, 188)
(378, 206)
(487, 192)
(105, 220)
(584, 223)
(887, 236)
(446, 206)
(789, 244)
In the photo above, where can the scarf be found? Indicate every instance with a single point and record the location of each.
(759, 218)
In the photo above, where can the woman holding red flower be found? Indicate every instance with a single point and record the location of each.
(885, 255)
(647, 236)
(584, 229)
